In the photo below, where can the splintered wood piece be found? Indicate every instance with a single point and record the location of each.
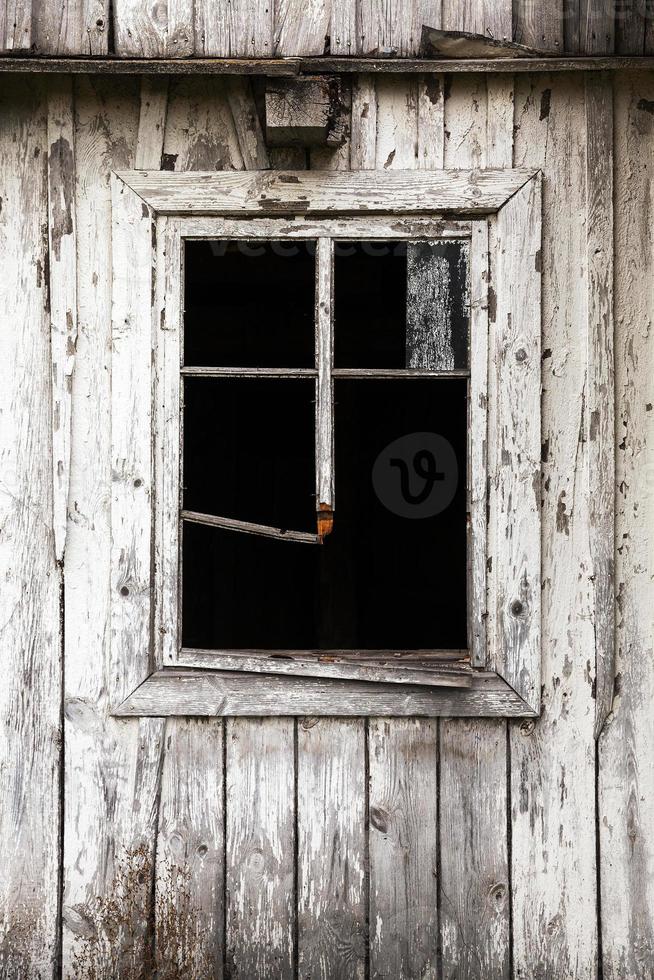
(229, 524)
(324, 391)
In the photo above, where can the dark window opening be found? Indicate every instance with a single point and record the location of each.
(392, 575)
(249, 303)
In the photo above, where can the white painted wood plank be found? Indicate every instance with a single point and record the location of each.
(152, 122)
(77, 27)
(626, 749)
(325, 501)
(331, 863)
(431, 107)
(600, 407)
(246, 122)
(468, 875)
(62, 271)
(462, 192)
(350, 227)
(200, 130)
(397, 128)
(363, 123)
(474, 851)
(30, 695)
(112, 769)
(189, 912)
(552, 761)
(403, 818)
(301, 27)
(260, 848)
(159, 30)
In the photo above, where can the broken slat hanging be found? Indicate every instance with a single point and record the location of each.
(324, 390)
(437, 305)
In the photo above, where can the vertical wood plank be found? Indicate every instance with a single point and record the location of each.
(62, 270)
(474, 888)
(397, 123)
(626, 748)
(239, 29)
(246, 122)
(331, 875)
(112, 768)
(158, 30)
(630, 24)
(200, 130)
(600, 414)
(474, 856)
(15, 25)
(152, 122)
(364, 123)
(30, 695)
(552, 759)
(403, 849)
(539, 25)
(343, 28)
(392, 27)
(260, 847)
(77, 27)
(301, 27)
(431, 108)
(589, 27)
(189, 912)
(492, 18)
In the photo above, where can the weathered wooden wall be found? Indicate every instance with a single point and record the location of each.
(263, 29)
(321, 848)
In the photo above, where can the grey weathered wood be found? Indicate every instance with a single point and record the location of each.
(260, 848)
(600, 405)
(474, 852)
(153, 30)
(391, 29)
(15, 25)
(352, 226)
(630, 26)
(211, 520)
(331, 848)
(461, 192)
(490, 18)
(403, 822)
(200, 131)
(239, 29)
(152, 123)
(363, 123)
(30, 631)
(430, 310)
(431, 107)
(246, 121)
(429, 669)
(540, 25)
(179, 692)
(76, 27)
(62, 270)
(304, 111)
(552, 763)
(301, 27)
(189, 907)
(626, 748)
(466, 44)
(589, 27)
(399, 373)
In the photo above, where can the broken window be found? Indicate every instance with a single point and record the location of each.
(324, 466)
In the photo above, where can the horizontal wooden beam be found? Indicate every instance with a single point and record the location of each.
(203, 693)
(316, 192)
(290, 67)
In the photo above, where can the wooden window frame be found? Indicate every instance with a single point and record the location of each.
(153, 213)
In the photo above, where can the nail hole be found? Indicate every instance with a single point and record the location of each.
(516, 607)
(124, 590)
(521, 354)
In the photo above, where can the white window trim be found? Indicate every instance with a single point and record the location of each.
(152, 214)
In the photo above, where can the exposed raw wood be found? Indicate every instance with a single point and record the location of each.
(375, 666)
(30, 626)
(474, 858)
(351, 227)
(626, 748)
(304, 111)
(260, 848)
(392, 29)
(331, 848)
(189, 907)
(552, 762)
(600, 401)
(238, 29)
(62, 270)
(364, 123)
(461, 192)
(187, 692)
(403, 822)
(15, 25)
(464, 44)
(490, 18)
(74, 27)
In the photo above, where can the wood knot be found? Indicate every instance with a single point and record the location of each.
(379, 819)
(528, 727)
(517, 607)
